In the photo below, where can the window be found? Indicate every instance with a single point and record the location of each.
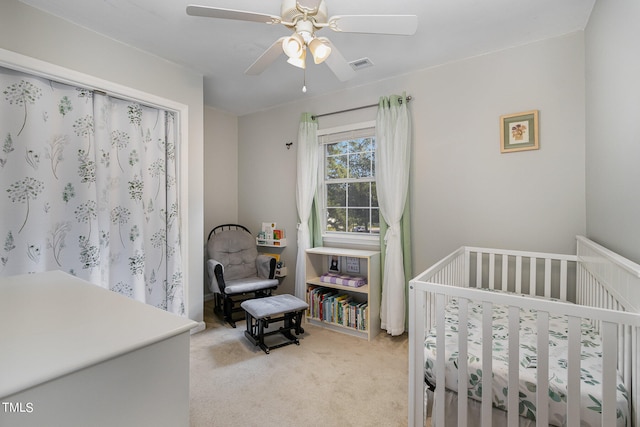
(348, 181)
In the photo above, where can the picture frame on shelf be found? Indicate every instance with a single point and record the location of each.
(334, 264)
(519, 132)
(353, 265)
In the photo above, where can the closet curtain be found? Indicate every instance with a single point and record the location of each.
(393, 158)
(306, 183)
(89, 187)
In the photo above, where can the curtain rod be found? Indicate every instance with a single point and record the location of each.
(409, 98)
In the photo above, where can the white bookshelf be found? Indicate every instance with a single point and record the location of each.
(368, 263)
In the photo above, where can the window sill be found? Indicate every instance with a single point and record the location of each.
(351, 239)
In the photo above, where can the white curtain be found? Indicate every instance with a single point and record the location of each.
(307, 178)
(393, 155)
(89, 187)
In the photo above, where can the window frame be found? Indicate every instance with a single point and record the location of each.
(340, 237)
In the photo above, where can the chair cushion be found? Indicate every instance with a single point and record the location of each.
(249, 284)
(236, 251)
(264, 307)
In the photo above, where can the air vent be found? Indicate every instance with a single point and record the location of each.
(359, 64)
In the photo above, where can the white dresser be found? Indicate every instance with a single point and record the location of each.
(74, 354)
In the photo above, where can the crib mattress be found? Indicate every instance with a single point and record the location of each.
(591, 369)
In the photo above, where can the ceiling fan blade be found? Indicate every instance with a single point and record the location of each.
(309, 5)
(375, 24)
(339, 65)
(266, 59)
(240, 15)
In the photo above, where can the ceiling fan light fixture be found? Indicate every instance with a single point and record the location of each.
(293, 46)
(320, 49)
(303, 18)
(300, 61)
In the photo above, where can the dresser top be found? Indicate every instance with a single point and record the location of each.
(52, 324)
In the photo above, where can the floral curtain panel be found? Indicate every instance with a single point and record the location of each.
(89, 187)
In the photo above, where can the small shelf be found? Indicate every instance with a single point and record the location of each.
(318, 261)
(271, 243)
(362, 289)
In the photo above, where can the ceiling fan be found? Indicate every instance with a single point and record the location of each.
(305, 18)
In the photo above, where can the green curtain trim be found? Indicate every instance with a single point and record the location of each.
(392, 101)
(308, 118)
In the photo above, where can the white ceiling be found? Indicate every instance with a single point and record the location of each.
(221, 50)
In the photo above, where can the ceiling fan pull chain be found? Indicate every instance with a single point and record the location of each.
(304, 80)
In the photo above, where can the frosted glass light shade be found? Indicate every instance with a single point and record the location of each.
(320, 49)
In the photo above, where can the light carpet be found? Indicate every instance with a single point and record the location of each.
(330, 379)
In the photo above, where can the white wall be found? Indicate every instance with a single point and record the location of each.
(221, 168)
(613, 134)
(38, 35)
(220, 173)
(464, 192)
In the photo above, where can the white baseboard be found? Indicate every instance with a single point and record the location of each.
(201, 327)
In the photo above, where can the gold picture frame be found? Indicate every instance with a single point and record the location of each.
(519, 132)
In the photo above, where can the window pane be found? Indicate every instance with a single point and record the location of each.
(337, 195)
(337, 148)
(374, 195)
(351, 204)
(375, 221)
(360, 165)
(363, 144)
(373, 163)
(359, 194)
(336, 167)
(336, 219)
(359, 220)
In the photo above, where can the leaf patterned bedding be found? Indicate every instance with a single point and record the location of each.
(591, 370)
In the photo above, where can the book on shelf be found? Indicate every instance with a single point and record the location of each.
(328, 305)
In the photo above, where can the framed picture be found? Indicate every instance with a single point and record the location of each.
(353, 265)
(334, 264)
(519, 132)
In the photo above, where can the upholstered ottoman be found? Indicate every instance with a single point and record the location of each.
(261, 311)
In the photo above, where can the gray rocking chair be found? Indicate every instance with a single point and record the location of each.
(236, 271)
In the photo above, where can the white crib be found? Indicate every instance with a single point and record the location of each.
(596, 286)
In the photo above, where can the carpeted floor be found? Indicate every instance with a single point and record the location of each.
(330, 379)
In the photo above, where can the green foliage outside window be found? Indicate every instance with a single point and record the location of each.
(351, 200)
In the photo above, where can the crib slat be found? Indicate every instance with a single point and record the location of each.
(563, 280)
(514, 365)
(463, 376)
(417, 316)
(478, 269)
(439, 402)
(492, 271)
(573, 372)
(622, 351)
(532, 276)
(519, 274)
(547, 277)
(467, 269)
(542, 394)
(505, 271)
(487, 357)
(635, 378)
(609, 347)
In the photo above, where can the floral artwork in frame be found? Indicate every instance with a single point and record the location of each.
(519, 132)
